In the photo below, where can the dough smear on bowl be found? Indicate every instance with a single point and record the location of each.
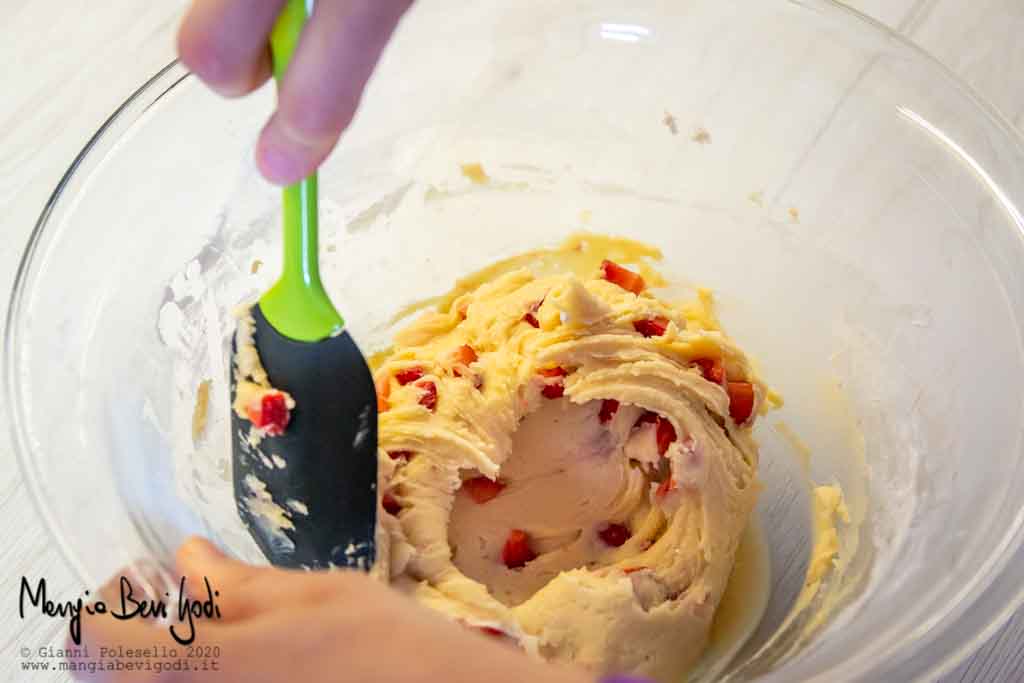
(567, 463)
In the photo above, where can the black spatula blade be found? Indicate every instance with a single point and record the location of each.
(328, 484)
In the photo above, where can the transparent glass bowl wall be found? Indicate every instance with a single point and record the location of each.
(852, 204)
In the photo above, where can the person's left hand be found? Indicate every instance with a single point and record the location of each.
(329, 627)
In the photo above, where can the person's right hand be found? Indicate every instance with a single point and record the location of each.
(225, 43)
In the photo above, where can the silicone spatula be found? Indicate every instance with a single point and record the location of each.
(323, 501)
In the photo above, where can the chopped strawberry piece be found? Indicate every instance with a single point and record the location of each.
(517, 551)
(429, 397)
(666, 435)
(530, 317)
(615, 534)
(651, 327)
(649, 417)
(630, 570)
(400, 455)
(408, 375)
(482, 489)
(664, 487)
(486, 630)
(491, 632)
(741, 400)
(275, 414)
(390, 505)
(609, 407)
(272, 414)
(383, 387)
(553, 389)
(712, 369)
(465, 355)
(627, 279)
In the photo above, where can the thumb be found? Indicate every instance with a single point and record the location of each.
(321, 91)
(198, 560)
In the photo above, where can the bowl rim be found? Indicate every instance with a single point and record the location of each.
(174, 74)
(20, 440)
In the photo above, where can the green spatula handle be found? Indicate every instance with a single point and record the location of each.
(297, 305)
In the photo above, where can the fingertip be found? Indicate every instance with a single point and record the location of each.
(321, 92)
(198, 51)
(284, 158)
(197, 550)
(217, 62)
(207, 62)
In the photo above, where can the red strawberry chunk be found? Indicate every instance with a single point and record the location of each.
(465, 355)
(712, 369)
(517, 551)
(408, 375)
(741, 400)
(491, 631)
(664, 487)
(553, 389)
(429, 397)
(627, 279)
(391, 506)
(609, 407)
(462, 357)
(666, 435)
(531, 318)
(496, 634)
(630, 570)
(482, 489)
(615, 535)
(651, 327)
(383, 391)
(272, 415)
(649, 417)
(400, 455)
(486, 630)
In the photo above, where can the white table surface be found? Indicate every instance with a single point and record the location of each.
(69, 63)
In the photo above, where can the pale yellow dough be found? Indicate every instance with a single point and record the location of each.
(251, 381)
(576, 602)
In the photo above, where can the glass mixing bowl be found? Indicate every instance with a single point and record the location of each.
(854, 206)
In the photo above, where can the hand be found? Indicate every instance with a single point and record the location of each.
(225, 43)
(323, 627)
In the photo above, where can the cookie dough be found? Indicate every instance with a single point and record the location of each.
(266, 408)
(567, 463)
